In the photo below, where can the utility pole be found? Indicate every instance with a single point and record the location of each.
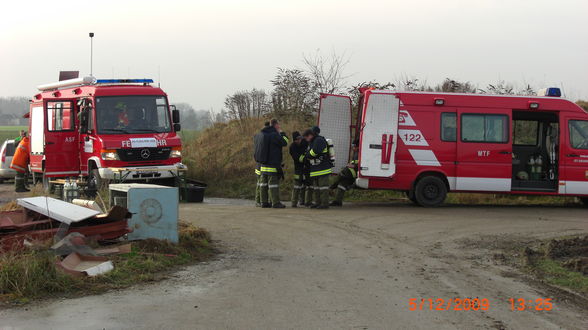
(91, 51)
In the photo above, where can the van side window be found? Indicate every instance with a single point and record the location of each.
(526, 132)
(448, 127)
(579, 134)
(60, 116)
(484, 128)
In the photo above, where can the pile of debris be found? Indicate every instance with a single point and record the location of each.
(71, 226)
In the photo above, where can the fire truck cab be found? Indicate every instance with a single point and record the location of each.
(102, 130)
(428, 144)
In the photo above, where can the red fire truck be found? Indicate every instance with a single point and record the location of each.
(103, 130)
(428, 144)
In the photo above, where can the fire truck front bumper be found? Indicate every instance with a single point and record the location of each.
(140, 173)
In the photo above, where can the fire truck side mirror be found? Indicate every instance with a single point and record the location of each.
(177, 127)
(176, 116)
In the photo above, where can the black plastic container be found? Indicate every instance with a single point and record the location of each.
(194, 192)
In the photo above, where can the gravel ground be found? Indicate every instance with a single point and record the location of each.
(354, 267)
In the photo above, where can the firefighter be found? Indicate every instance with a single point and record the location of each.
(297, 151)
(20, 163)
(123, 116)
(308, 188)
(258, 183)
(19, 138)
(320, 167)
(346, 178)
(271, 169)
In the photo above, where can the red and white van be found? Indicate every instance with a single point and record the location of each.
(103, 128)
(428, 144)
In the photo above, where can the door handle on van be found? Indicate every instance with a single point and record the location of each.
(46, 143)
(505, 152)
(572, 155)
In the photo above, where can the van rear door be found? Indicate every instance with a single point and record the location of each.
(379, 135)
(484, 150)
(61, 139)
(334, 121)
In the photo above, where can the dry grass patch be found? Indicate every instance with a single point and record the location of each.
(31, 273)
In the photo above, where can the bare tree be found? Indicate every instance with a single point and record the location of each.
(217, 117)
(354, 91)
(527, 90)
(327, 73)
(406, 83)
(247, 104)
(500, 88)
(293, 93)
(453, 86)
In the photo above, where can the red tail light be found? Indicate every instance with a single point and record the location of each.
(4, 156)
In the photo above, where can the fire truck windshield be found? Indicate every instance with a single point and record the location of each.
(132, 114)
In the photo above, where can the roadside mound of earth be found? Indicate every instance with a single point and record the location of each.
(561, 262)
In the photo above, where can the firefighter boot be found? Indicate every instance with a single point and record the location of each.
(302, 195)
(274, 191)
(19, 183)
(257, 191)
(339, 194)
(263, 190)
(323, 188)
(297, 192)
(317, 194)
(308, 195)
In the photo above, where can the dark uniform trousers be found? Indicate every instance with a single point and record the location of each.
(344, 181)
(298, 190)
(321, 189)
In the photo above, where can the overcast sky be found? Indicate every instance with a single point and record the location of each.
(208, 49)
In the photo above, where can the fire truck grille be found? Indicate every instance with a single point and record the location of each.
(143, 154)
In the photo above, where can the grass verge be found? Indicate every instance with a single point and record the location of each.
(561, 262)
(31, 274)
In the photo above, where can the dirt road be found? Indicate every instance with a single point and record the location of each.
(350, 268)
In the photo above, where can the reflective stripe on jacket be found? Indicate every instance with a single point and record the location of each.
(276, 141)
(318, 155)
(297, 152)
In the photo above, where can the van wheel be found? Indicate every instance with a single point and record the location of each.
(410, 196)
(584, 200)
(430, 191)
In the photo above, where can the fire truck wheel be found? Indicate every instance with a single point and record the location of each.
(95, 181)
(584, 200)
(430, 191)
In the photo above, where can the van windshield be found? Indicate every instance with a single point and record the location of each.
(132, 114)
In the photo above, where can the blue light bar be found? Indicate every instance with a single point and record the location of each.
(124, 81)
(551, 91)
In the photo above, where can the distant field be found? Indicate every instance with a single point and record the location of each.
(12, 128)
(9, 132)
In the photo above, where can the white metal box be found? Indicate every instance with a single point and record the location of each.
(154, 209)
